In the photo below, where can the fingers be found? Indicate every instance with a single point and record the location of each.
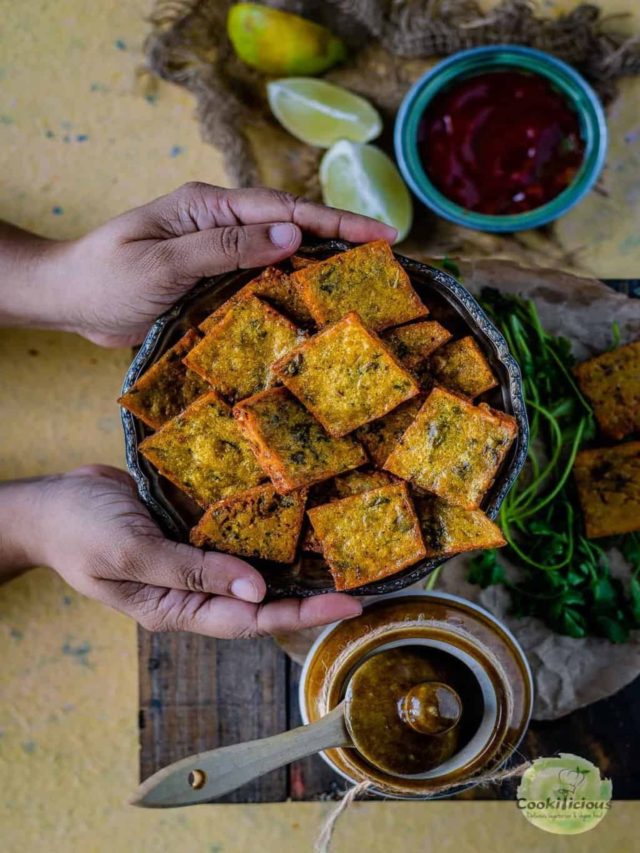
(227, 618)
(207, 253)
(203, 207)
(175, 566)
(266, 205)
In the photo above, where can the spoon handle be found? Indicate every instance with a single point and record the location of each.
(208, 775)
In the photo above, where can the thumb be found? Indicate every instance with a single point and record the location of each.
(219, 250)
(174, 565)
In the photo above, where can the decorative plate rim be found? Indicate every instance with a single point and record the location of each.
(460, 296)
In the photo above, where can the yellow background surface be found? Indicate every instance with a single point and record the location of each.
(82, 139)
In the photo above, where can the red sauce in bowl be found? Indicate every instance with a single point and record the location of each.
(500, 143)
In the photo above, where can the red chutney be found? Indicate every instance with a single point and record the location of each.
(503, 142)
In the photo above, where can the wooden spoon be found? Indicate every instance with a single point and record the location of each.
(208, 775)
(430, 708)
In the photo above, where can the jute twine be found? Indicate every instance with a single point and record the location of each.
(323, 841)
(388, 41)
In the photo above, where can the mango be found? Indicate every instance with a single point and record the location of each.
(280, 43)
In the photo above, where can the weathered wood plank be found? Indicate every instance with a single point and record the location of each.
(198, 693)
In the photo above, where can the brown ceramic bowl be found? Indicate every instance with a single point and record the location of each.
(498, 685)
(450, 303)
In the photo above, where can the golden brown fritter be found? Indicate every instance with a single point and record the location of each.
(361, 480)
(453, 449)
(277, 288)
(236, 354)
(611, 382)
(203, 452)
(368, 536)
(461, 366)
(257, 523)
(608, 483)
(381, 436)
(167, 387)
(367, 279)
(290, 444)
(449, 529)
(346, 376)
(413, 344)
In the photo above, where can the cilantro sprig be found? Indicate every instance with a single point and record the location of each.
(565, 578)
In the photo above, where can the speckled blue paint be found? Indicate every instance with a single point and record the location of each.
(82, 137)
(57, 210)
(67, 600)
(151, 99)
(80, 653)
(176, 150)
(120, 44)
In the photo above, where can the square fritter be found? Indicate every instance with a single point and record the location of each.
(367, 279)
(257, 523)
(381, 436)
(611, 382)
(462, 367)
(203, 452)
(346, 376)
(453, 449)
(236, 354)
(167, 387)
(368, 536)
(290, 444)
(413, 344)
(608, 483)
(361, 480)
(449, 529)
(277, 288)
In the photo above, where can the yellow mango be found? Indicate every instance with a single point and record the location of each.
(276, 42)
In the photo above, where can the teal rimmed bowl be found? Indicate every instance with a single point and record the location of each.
(468, 63)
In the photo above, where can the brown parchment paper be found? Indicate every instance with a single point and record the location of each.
(568, 673)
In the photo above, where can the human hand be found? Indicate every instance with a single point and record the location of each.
(112, 283)
(89, 526)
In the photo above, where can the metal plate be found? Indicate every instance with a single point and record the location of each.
(450, 303)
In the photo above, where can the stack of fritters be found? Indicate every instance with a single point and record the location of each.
(320, 411)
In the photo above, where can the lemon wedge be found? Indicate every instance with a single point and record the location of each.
(363, 179)
(321, 113)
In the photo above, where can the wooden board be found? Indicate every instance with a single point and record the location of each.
(197, 693)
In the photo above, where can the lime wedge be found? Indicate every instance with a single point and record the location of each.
(363, 179)
(320, 113)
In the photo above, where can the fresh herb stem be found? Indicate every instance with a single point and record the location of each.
(564, 579)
